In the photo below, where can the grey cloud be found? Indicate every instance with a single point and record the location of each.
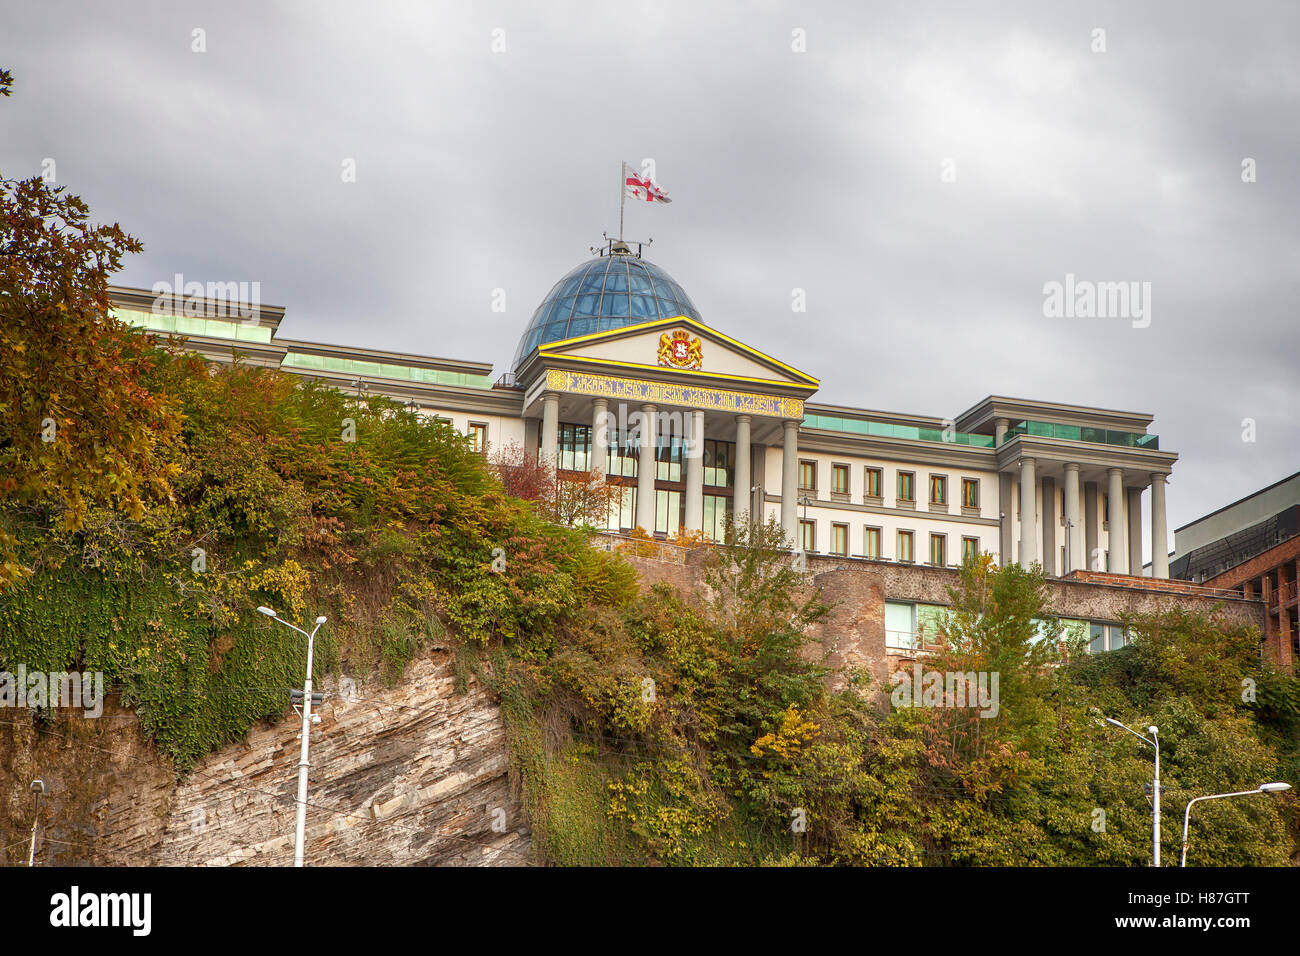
(817, 170)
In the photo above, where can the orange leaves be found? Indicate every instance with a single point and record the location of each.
(80, 424)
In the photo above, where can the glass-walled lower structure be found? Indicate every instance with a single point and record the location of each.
(622, 458)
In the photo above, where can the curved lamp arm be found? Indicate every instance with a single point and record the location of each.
(1187, 814)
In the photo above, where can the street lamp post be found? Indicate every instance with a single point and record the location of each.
(803, 500)
(37, 788)
(1187, 814)
(1154, 741)
(301, 825)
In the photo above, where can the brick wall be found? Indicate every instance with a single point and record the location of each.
(853, 634)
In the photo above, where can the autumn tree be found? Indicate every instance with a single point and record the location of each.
(567, 498)
(78, 424)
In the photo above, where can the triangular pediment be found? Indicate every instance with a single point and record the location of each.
(679, 345)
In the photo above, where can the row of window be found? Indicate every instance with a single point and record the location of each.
(872, 538)
(873, 483)
(670, 512)
(622, 456)
(910, 625)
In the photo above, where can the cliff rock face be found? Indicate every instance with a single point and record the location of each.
(411, 775)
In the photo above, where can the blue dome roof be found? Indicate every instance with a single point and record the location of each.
(609, 292)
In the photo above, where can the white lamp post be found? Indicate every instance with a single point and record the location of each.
(37, 788)
(1187, 814)
(1154, 741)
(301, 825)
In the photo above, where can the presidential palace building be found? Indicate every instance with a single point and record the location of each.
(617, 346)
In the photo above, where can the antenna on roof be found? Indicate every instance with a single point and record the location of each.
(619, 247)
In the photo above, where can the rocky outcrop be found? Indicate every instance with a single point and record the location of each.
(410, 775)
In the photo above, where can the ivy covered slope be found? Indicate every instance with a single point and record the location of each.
(390, 534)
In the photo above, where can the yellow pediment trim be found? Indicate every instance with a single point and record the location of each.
(552, 348)
(669, 393)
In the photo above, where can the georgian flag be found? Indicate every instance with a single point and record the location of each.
(647, 189)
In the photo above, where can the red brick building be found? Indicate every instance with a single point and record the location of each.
(1251, 546)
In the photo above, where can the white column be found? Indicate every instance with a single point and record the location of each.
(1028, 519)
(1050, 523)
(1133, 498)
(694, 453)
(1159, 529)
(550, 428)
(1006, 499)
(1092, 527)
(645, 471)
(1073, 526)
(599, 435)
(1118, 541)
(741, 496)
(790, 484)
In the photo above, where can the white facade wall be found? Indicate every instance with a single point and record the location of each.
(502, 430)
(919, 520)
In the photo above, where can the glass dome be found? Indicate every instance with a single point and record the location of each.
(609, 292)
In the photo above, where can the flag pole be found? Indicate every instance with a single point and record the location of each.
(622, 196)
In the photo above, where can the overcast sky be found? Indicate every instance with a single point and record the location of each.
(820, 170)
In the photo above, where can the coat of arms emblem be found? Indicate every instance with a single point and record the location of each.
(679, 350)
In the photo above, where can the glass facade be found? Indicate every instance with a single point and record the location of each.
(717, 515)
(1105, 637)
(859, 426)
(621, 460)
(1100, 635)
(610, 292)
(900, 624)
(668, 460)
(719, 463)
(1101, 436)
(230, 328)
(670, 511)
(622, 511)
(574, 448)
(907, 625)
(930, 621)
(621, 456)
(427, 376)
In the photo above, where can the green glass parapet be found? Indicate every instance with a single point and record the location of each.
(426, 376)
(1100, 436)
(860, 426)
(232, 329)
